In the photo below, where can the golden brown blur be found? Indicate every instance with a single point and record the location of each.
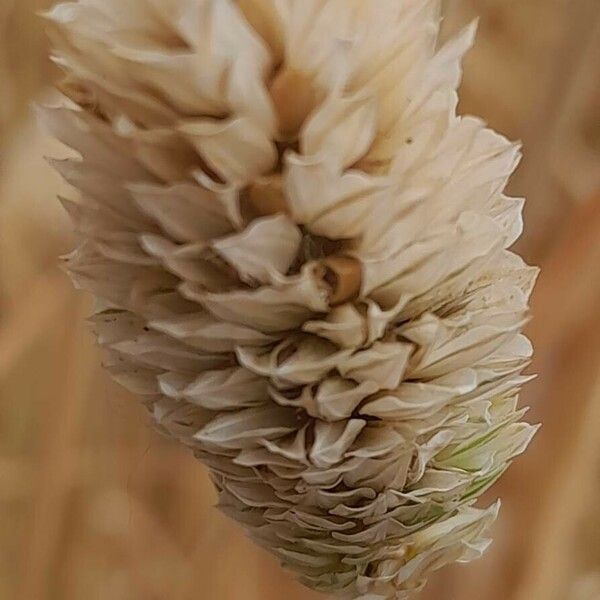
(94, 505)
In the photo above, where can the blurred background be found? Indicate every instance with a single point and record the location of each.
(95, 505)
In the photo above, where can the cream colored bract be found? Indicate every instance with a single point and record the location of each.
(300, 254)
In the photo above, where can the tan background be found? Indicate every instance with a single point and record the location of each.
(95, 506)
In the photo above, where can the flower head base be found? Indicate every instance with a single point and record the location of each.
(301, 257)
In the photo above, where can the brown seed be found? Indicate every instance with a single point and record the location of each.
(343, 274)
(293, 95)
(266, 197)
